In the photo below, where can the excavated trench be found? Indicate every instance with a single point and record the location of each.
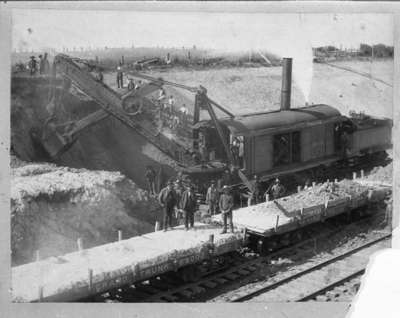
(90, 192)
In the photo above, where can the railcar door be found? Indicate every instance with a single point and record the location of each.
(286, 148)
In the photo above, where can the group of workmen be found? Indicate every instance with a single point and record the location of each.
(43, 65)
(179, 198)
(170, 117)
(273, 192)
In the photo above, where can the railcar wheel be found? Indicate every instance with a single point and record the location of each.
(297, 236)
(190, 274)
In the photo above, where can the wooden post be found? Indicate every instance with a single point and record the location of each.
(362, 173)
(370, 193)
(119, 235)
(211, 244)
(157, 226)
(298, 188)
(244, 235)
(277, 222)
(336, 180)
(79, 242)
(354, 175)
(37, 256)
(40, 293)
(326, 203)
(90, 271)
(314, 184)
(301, 212)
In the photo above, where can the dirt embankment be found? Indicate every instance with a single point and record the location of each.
(51, 207)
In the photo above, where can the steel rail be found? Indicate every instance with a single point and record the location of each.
(309, 270)
(331, 286)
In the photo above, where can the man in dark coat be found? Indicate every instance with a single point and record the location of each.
(188, 204)
(276, 190)
(256, 190)
(120, 76)
(32, 66)
(151, 179)
(212, 198)
(168, 200)
(179, 189)
(41, 64)
(226, 206)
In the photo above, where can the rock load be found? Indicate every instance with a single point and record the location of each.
(52, 207)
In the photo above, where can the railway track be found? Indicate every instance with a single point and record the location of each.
(319, 278)
(168, 288)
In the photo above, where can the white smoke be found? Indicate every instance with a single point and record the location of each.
(294, 43)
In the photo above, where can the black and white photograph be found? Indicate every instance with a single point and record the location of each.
(198, 157)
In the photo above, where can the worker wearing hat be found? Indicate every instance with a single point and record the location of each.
(212, 198)
(188, 204)
(256, 190)
(276, 190)
(168, 200)
(179, 189)
(41, 64)
(32, 66)
(226, 206)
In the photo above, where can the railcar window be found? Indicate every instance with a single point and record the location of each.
(286, 148)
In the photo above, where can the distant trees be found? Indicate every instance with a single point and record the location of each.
(378, 50)
(364, 50)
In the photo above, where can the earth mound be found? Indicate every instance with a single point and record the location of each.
(52, 206)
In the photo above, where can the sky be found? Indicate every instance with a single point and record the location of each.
(285, 35)
(41, 28)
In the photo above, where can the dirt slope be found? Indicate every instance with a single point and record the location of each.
(51, 207)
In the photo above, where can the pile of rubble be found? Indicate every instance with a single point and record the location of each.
(322, 193)
(382, 174)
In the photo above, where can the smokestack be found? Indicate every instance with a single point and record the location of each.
(286, 83)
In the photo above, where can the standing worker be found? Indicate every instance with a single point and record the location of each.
(235, 151)
(120, 77)
(256, 190)
(212, 198)
(131, 84)
(276, 190)
(32, 66)
(183, 113)
(171, 103)
(188, 204)
(226, 206)
(41, 64)
(151, 179)
(168, 200)
(46, 65)
(179, 189)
